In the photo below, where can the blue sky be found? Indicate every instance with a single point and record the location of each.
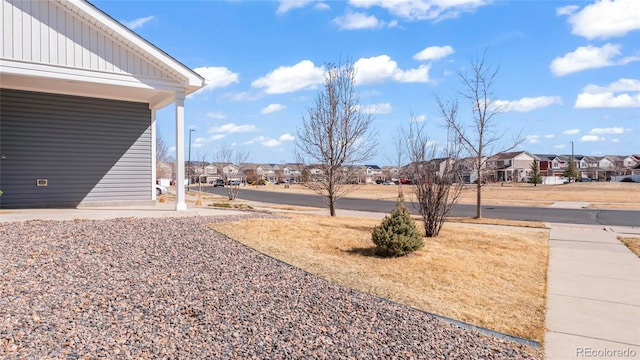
(569, 71)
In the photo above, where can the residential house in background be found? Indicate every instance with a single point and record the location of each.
(511, 166)
(391, 173)
(373, 173)
(256, 172)
(291, 173)
(467, 170)
(553, 165)
(165, 172)
(631, 161)
(315, 172)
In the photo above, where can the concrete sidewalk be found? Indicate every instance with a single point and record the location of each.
(593, 294)
(103, 213)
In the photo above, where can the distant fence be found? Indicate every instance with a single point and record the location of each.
(554, 180)
(635, 178)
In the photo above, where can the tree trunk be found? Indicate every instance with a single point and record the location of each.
(332, 206)
(479, 199)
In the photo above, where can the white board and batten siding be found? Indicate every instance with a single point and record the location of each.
(47, 33)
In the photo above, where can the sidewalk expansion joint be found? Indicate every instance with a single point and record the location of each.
(593, 338)
(588, 242)
(595, 300)
(595, 276)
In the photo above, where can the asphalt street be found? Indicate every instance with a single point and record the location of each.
(546, 214)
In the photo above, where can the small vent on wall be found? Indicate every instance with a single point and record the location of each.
(42, 182)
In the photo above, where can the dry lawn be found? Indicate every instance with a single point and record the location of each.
(633, 243)
(500, 222)
(599, 194)
(491, 277)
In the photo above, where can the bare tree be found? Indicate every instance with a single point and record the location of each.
(202, 171)
(162, 158)
(336, 133)
(238, 158)
(480, 137)
(436, 180)
(400, 154)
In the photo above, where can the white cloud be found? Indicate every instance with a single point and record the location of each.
(615, 140)
(560, 146)
(137, 23)
(434, 53)
(271, 143)
(612, 130)
(268, 142)
(567, 10)
(571, 132)
(286, 5)
(603, 19)
(216, 77)
(231, 128)
(321, 6)
(382, 108)
(217, 137)
(171, 149)
(271, 108)
(592, 138)
(532, 139)
(528, 104)
(216, 115)
(356, 20)
(416, 10)
(549, 136)
(241, 96)
(286, 137)
(418, 118)
(617, 86)
(285, 79)
(378, 69)
(586, 57)
(623, 93)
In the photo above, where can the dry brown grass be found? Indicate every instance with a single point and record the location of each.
(499, 222)
(290, 207)
(489, 277)
(613, 206)
(633, 243)
(623, 195)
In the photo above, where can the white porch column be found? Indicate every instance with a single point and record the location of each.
(153, 154)
(181, 205)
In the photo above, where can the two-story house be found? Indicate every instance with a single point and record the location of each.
(511, 166)
(391, 173)
(373, 173)
(291, 173)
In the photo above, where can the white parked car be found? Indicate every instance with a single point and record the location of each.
(161, 190)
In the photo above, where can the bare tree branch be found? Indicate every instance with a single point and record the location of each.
(479, 137)
(436, 181)
(226, 156)
(335, 133)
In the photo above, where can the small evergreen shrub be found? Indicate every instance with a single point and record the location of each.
(398, 234)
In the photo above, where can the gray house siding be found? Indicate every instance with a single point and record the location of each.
(90, 151)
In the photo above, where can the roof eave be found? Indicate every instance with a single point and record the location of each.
(192, 80)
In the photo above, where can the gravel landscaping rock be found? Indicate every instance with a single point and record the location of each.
(173, 288)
